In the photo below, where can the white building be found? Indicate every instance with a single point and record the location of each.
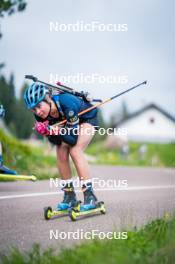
(150, 124)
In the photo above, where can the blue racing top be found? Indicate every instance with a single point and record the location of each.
(68, 107)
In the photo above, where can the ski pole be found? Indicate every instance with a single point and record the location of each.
(102, 103)
(18, 177)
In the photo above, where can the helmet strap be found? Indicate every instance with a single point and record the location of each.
(49, 103)
(50, 109)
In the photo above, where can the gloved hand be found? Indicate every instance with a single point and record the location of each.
(42, 128)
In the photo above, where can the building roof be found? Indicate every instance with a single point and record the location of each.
(150, 106)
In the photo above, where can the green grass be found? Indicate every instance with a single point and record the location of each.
(154, 243)
(31, 160)
(157, 155)
(25, 159)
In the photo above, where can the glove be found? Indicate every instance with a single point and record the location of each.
(42, 128)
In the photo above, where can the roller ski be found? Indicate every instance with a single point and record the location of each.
(62, 208)
(91, 205)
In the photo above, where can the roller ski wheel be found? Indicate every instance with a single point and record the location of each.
(82, 210)
(73, 214)
(49, 213)
(74, 211)
(102, 208)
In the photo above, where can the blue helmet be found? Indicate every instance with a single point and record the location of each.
(34, 94)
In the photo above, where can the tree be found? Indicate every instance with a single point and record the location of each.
(101, 124)
(101, 120)
(18, 119)
(9, 7)
(125, 112)
(24, 119)
(7, 97)
(119, 115)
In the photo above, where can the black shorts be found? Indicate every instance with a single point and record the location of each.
(57, 140)
(92, 121)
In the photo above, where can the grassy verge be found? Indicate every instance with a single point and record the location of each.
(31, 160)
(156, 155)
(155, 243)
(25, 159)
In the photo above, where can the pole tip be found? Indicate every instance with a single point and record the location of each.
(33, 178)
(145, 82)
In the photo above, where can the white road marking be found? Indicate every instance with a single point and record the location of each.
(134, 188)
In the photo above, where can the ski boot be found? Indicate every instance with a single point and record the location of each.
(4, 169)
(90, 206)
(62, 208)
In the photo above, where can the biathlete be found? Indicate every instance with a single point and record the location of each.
(49, 110)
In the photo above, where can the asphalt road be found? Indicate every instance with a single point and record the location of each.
(133, 197)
